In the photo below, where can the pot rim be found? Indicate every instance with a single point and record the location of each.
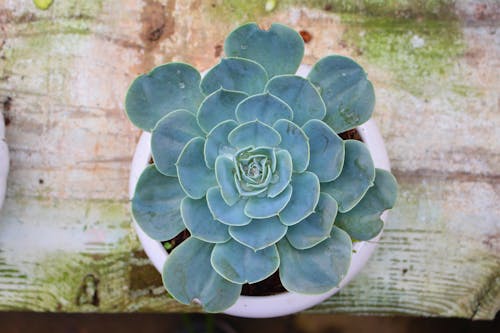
(4, 161)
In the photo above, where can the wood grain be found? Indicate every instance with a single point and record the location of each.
(66, 243)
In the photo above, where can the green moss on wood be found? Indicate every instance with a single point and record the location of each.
(415, 52)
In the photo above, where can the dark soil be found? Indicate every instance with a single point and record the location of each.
(272, 285)
(351, 135)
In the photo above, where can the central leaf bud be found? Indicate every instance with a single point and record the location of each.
(253, 170)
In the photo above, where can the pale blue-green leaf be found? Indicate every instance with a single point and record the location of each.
(254, 133)
(283, 173)
(230, 215)
(316, 227)
(194, 176)
(240, 264)
(295, 141)
(264, 207)
(260, 233)
(327, 150)
(224, 174)
(300, 95)
(188, 275)
(200, 222)
(363, 221)
(357, 176)
(236, 74)
(264, 107)
(279, 49)
(218, 107)
(155, 205)
(170, 136)
(217, 144)
(348, 95)
(304, 198)
(166, 88)
(318, 269)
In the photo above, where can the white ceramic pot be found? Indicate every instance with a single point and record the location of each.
(4, 161)
(287, 302)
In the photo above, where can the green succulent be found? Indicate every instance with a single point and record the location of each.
(248, 160)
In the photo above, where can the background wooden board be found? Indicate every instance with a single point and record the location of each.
(66, 242)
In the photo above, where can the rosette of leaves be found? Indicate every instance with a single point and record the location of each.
(248, 160)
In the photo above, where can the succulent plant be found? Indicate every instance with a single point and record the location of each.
(248, 160)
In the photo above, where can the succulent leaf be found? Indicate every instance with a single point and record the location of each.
(295, 141)
(217, 143)
(263, 207)
(264, 107)
(194, 176)
(218, 107)
(155, 204)
(357, 176)
(316, 227)
(170, 136)
(254, 133)
(279, 49)
(346, 91)
(300, 94)
(188, 276)
(363, 221)
(225, 178)
(166, 88)
(260, 233)
(240, 264)
(200, 222)
(318, 269)
(236, 74)
(304, 198)
(327, 150)
(283, 173)
(229, 215)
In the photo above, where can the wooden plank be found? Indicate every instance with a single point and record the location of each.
(65, 238)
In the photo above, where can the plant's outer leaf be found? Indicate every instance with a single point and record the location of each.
(316, 227)
(170, 136)
(283, 172)
(300, 95)
(218, 107)
(188, 275)
(254, 133)
(236, 74)
(166, 88)
(240, 264)
(260, 233)
(200, 223)
(155, 205)
(225, 178)
(264, 207)
(194, 176)
(221, 211)
(296, 142)
(279, 49)
(363, 221)
(357, 176)
(264, 107)
(327, 150)
(348, 95)
(304, 198)
(217, 144)
(318, 269)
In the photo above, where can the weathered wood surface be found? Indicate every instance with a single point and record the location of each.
(66, 242)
